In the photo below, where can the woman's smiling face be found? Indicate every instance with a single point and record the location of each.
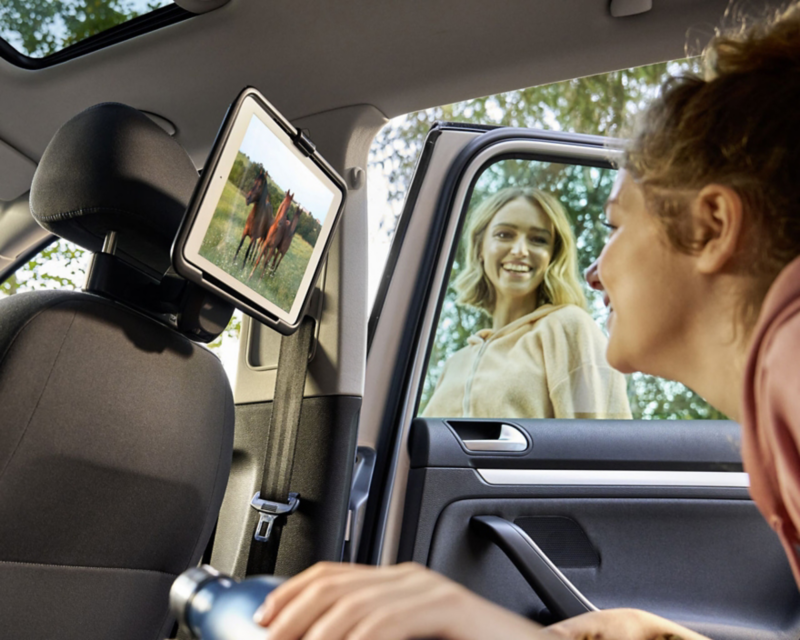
(516, 249)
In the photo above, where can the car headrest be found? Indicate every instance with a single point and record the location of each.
(110, 168)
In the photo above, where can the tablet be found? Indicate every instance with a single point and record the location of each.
(260, 222)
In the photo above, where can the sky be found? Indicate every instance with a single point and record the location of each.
(285, 169)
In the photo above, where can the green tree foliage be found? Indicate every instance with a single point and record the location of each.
(62, 265)
(601, 105)
(308, 228)
(243, 175)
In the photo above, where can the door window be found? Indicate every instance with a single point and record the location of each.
(520, 334)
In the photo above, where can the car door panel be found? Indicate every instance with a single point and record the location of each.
(664, 542)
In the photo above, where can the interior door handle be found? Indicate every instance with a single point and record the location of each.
(510, 439)
(558, 594)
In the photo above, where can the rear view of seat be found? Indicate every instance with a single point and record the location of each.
(116, 428)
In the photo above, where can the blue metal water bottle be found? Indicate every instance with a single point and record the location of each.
(217, 607)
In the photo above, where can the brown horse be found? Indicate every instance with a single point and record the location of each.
(274, 234)
(286, 241)
(260, 218)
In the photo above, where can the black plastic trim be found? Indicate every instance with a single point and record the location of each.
(165, 16)
(630, 445)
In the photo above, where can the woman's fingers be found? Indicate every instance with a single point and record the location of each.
(416, 615)
(621, 624)
(281, 596)
(447, 611)
(349, 602)
(292, 613)
(387, 596)
(346, 602)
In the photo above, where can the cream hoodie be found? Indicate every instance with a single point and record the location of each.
(548, 364)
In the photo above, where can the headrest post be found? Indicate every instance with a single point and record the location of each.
(110, 243)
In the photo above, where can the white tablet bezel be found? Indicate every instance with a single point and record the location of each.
(254, 106)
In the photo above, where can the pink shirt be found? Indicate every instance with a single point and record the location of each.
(771, 411)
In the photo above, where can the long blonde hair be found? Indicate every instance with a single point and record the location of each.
(561, 284)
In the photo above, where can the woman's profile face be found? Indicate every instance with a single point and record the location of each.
(647, 285)
(516, 249)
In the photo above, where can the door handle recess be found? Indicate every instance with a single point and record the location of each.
(510, 439)
(557, 593)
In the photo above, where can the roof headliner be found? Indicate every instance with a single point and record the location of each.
(309, 56)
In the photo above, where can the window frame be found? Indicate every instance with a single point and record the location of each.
(594, 155)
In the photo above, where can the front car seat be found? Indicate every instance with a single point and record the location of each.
(116, 429)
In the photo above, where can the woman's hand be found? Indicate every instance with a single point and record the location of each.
(621, 624)
(333, 601)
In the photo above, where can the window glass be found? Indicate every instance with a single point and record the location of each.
(62, 265)
(38, 28)
(520, 333)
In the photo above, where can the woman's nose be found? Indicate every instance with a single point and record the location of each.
(592, 278)
(520, 247)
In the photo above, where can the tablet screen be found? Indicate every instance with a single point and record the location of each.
(265, 216)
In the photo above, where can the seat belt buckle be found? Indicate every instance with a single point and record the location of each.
(269, 511)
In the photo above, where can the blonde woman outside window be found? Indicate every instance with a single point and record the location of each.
(544, 356)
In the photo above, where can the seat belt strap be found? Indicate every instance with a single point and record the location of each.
(274, 501)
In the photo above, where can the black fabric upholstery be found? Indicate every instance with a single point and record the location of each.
(75, 603)
(115, 448)
(110, 168)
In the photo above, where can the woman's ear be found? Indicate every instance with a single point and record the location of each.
(718, 219)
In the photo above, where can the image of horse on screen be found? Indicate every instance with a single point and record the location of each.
(268, 218)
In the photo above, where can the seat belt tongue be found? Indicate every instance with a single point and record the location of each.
(269, 511)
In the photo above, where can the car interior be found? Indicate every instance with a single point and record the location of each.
(126, 457)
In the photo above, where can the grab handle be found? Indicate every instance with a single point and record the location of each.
(558, 594)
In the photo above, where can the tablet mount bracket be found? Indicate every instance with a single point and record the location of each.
(303, 142)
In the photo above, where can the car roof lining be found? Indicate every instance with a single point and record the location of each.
(397, 57)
